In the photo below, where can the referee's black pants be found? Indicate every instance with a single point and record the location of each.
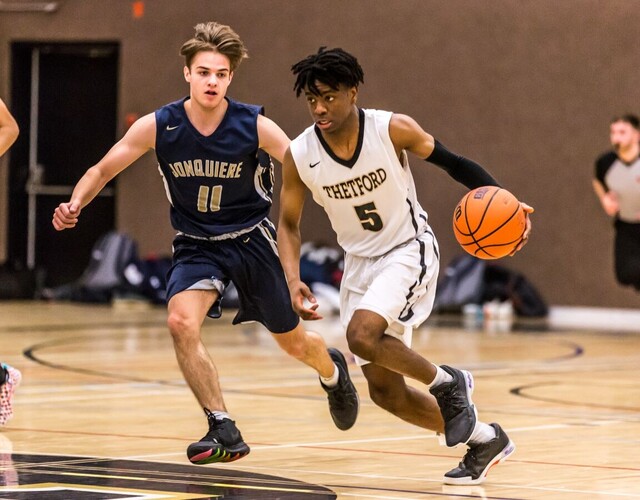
(627, 253)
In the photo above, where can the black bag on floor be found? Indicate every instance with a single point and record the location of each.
(504, 284)
(469, 280)
(105, 274)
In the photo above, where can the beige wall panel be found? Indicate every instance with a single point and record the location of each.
(525, 87)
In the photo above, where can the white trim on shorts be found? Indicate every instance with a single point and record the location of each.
(221, 237)
(208, 284)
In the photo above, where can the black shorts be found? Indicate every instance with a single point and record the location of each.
(250, 261)
(627, 253)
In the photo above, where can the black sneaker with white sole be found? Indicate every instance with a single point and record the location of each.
(480, 458)
(223, 443)
(343, 397)
(457, 409)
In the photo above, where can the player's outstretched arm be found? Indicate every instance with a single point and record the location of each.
(407, 134)
(292, 197)
(137, 141)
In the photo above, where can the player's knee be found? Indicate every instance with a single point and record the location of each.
(361, 342)
(181, 326)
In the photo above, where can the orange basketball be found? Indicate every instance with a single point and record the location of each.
(489, 222)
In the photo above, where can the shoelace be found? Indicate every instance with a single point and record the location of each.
(470, 456)
(450, 399)
(342, 395)
(214, 425)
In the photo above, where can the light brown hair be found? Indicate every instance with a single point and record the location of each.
(218, 38)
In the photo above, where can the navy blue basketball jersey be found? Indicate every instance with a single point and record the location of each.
(218, 184)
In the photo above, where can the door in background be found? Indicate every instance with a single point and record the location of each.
(64, 97)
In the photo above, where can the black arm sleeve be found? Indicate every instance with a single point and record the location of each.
(461, 169)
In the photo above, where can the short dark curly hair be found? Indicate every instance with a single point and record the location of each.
(333, 67)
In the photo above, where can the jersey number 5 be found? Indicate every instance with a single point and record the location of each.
(209, 205)
(369, 217)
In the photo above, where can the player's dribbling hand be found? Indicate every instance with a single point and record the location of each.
(65, 216)
(304, 302)
(525, 237)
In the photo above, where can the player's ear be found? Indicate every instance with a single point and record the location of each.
(354, 94)
(187, 74)
(231, 73)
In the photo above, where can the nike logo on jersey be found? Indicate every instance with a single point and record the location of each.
(172, 128)
(311, 165)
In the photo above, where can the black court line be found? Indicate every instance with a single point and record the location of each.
(521, 392)
(31, 353)
(71, 478)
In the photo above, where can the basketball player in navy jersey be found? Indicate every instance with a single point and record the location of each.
(219, 183)
(617, 185)
(354, 162)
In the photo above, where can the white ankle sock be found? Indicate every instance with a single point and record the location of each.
(219, 415)
(332, 381)
(482, 433)
(441, 377)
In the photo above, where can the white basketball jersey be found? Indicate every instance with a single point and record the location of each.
(370, 199)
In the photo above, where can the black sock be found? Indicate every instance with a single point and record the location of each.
(3, 375)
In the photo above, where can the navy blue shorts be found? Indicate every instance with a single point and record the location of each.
(251, 262)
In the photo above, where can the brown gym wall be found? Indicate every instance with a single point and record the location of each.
(525, 87)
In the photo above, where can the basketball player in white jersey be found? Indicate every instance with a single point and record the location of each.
(354, 162)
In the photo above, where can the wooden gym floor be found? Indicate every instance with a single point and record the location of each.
(103, 413)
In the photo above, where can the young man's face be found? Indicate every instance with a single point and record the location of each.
(331, 108)
(209, 76)
(623, 135)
